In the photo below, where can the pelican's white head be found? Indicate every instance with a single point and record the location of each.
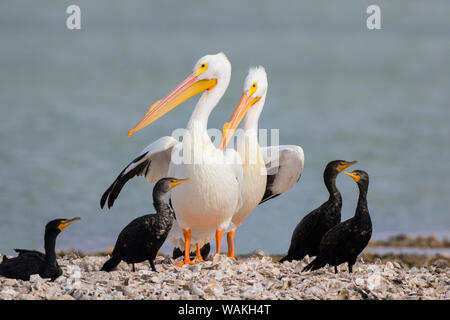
(256, 82)
(256, 77)
(250, 105)
(213, 66)
(210, 71)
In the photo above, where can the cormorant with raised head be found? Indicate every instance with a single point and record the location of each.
(307, 234)
(30, 262)
(141, 239)
(346, 240)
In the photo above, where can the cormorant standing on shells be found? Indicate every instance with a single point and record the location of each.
(141, 239)
(346, 240)
(307, 234)
(30, 262)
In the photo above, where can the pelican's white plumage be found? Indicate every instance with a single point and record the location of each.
(208, 201)
(267, 171)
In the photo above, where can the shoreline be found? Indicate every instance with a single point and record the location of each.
(372, 252)
(254, 277)
(405, 241)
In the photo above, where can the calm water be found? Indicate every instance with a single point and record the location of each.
(68, 98)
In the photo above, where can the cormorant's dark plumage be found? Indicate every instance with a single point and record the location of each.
(346, 240)
(141, 239)
(307, 234)
(30, 262)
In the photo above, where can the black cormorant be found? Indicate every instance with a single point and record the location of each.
(30, 262)
(141, 239)
(345, 241)
(307, 234)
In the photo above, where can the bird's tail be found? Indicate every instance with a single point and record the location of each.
(177, 252)
(110, 264)
(317, 263)
(287, 258)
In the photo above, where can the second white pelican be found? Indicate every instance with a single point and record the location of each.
(206, 204)
(267, 171)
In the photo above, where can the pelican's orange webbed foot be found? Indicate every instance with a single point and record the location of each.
(187, 247)
(219, 234)
(230, 242)
(182, 263)
(198, 255)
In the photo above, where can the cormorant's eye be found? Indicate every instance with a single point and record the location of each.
(203, 65)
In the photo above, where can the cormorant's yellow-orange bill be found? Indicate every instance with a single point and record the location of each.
(65, 223)
(188, 88)
(353, 175)
(345, 165)
(178, 182)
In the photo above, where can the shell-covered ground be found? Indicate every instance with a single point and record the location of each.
(254, 277)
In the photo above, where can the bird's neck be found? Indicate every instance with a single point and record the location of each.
(361, 210)
(50, 254)
(158, 202)
(330, 183)
(247, 143)
(248, 147)
(252, 117)
(206, 104)
(251, 122)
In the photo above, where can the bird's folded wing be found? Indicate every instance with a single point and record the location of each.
(284, 166)
(152, 163)
(22, 251)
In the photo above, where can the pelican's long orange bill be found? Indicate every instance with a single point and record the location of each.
(188, 88)
(230, 127)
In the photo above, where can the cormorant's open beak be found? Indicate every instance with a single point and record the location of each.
(65, 223)
(186, 89)
(345, 165)
(353, 176)
(230, 127)
(177, 182)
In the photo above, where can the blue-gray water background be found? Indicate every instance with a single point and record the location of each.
(341, 91)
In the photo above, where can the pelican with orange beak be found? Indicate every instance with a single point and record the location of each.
(267, 171)
(206, 205)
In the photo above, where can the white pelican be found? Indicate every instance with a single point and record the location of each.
(206, 204)
(267, 171)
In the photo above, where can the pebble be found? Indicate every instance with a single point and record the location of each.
(359, 281)
(343, 295)
(374, 282)
(255, 277)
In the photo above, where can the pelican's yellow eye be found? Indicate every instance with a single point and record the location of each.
(253, 88)
(202, 68)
